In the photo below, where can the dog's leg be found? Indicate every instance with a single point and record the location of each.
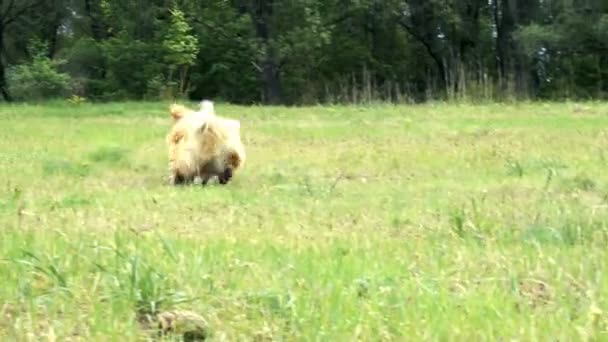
(205, 176)
(179, 179)
(225, 177)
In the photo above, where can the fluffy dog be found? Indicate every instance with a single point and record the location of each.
(202, 144)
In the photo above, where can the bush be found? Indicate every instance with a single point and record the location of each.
(38, 79)
(159, 88)
(128, 76)
(86, 65)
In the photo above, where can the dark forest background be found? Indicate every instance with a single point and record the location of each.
(304, 51)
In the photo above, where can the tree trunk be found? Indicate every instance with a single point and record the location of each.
(270, 70)
(96, 27)
(441, 70)
(183, 82)
(3, 84)
(501, 46)
(53, 38)
(423, 26)
(272, 83)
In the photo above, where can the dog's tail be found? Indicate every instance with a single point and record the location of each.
(207, 107)
(178, 111)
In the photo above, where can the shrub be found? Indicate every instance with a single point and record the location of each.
(38, 79)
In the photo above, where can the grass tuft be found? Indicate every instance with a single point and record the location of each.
(65, 167)
(109, 155)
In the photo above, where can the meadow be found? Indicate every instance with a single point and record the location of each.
(373, 223)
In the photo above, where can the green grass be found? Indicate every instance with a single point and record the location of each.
(431, 222)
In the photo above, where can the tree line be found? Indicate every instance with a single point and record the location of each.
(304, 51)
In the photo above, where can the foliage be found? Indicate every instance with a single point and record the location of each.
(127, 76)
(39, 78)
(536, 38)
(181, 45)
(182, 49)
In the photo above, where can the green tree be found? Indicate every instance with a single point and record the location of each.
(182, 49)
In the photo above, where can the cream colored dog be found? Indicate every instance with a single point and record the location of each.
(202, 144)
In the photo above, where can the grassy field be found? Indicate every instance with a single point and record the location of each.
(432, 222)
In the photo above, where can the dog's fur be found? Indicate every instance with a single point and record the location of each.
(179, 111)
(202, 144)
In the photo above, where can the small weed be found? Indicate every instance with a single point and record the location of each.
(108, 155)
(74, 200)
(46, 267)
(575, 232)
(552, 164)
(580, 182)
(147, 287)
(271, 302)
(567, 232)
(399, 222)
(583, 182)
(471, 220)
(65, 167)
(12, 200)
(514, 168)
(457, 221)
(362, 286)
(76, 100)
(315, 188)
(542, 235)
